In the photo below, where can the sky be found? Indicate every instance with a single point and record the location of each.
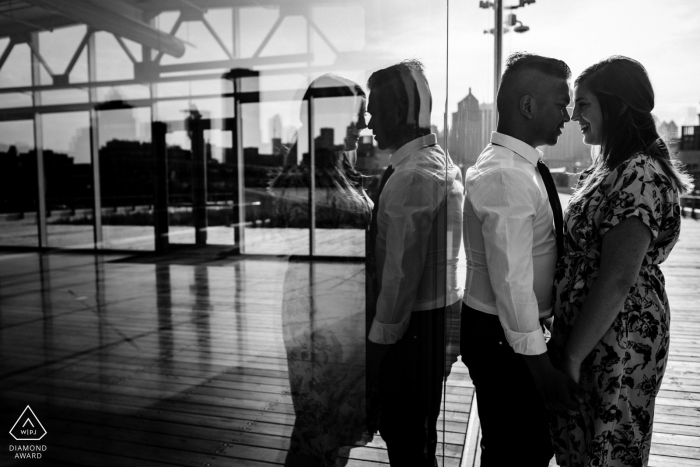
(458, 56)
(662, 35)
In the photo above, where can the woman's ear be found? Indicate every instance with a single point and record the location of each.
(527, 106)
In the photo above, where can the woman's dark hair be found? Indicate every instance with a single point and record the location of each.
(626, 99)
(332, 168)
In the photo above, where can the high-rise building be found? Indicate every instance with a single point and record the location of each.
(668, 130)
(486, 123)
(465, 137)
(326, 139)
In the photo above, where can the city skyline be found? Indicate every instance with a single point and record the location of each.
(580, 33)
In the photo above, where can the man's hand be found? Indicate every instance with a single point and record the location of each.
(558, 390)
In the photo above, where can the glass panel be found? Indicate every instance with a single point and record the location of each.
(18, 184)
(221, 211)
(180, 199)
(242, 131)
(69, 180)
(16, 71)
(126, 178)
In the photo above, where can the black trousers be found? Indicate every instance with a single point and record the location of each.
(410, 386)
(514, 421)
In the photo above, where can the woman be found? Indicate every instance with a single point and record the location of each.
(340, 200)
(611, 318)
(323, 315)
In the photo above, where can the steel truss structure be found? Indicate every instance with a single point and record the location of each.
(135, 20)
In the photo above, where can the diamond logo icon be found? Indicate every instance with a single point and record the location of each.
(28, 427)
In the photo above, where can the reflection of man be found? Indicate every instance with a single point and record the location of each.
(510, 208)
(418, 239)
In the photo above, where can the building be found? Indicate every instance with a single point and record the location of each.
(689, 152)
(668, 130)
(466, 135)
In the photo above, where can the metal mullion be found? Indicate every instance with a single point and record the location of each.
(95, 146)
(312, 180)
(39, 150)
(239, 232)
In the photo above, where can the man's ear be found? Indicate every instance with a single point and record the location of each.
(527, 106)
(401, 113)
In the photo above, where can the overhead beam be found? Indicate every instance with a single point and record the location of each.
(112, 21)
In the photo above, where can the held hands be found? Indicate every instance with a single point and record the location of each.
(557, 389)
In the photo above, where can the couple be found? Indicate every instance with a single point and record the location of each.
(587, 395)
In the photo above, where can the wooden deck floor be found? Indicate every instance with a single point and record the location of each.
(179, 362)
(183, 361)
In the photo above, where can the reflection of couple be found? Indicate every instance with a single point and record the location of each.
(610, 335)
(416, 228)
(323, 306)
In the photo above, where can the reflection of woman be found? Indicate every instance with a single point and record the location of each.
(340, 199)
(324, 304)
(611, 318)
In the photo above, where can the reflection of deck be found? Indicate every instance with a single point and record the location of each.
(182, 362)
(267, 241)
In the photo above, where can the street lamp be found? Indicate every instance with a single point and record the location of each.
(497, 32)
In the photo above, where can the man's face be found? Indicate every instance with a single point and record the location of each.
(384, 121)
(552, 112)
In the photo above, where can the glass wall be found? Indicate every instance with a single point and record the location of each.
(18, 211)
(246, 128)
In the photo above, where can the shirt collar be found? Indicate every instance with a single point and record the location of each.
(412, 146)
(524, 150)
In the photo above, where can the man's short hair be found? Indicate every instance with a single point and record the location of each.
(407, 87)
(519, 63)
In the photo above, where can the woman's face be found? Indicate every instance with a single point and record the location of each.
(352, 136)
(588, 114)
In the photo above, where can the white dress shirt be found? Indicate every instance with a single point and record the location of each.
(509, 241)
(419, 232)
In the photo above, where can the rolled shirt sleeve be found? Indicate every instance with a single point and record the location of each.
(407, 207)
(505, 203)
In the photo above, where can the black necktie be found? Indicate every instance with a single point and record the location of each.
(555, 204)
(385, 177)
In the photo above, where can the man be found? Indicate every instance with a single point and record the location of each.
(510, 212)
(418, 235)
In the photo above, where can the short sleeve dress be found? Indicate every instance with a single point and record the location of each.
(622, 374)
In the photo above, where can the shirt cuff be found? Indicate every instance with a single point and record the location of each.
(527, 343)
(381, 333)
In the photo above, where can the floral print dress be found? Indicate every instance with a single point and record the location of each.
(622, 374)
